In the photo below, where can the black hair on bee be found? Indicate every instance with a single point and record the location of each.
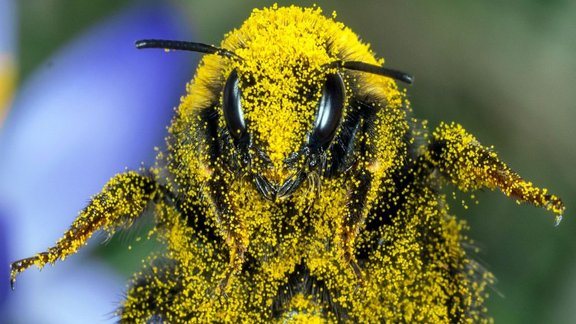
(297, 186)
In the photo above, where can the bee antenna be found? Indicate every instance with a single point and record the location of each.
(185, 46)
(374, 69)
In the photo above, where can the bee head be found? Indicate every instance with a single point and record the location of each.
(283, 95)
(282, 127)
(285, 98)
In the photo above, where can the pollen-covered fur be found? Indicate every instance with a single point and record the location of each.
(296, 189)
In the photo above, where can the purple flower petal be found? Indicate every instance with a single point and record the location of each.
(4, 259)
(98, 106)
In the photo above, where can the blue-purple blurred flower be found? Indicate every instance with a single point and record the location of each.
(4, 270)
(7, 81)
(97, 106)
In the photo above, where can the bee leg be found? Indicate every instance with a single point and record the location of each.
(234, 266)
(349, 256)
(123, 199)
(471, 166)
(355, 219)
(232, 230)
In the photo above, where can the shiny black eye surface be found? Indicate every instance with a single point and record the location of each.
(329, 113)
(233, 113)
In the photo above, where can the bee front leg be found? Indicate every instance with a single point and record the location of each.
(231, 228)
(123, 199)
(355, 218)
(471, 166)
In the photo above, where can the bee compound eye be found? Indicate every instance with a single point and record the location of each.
(329, 112)
(233, 113)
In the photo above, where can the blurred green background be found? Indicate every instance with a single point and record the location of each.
(504, 70)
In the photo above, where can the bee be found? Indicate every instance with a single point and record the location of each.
(297, 186)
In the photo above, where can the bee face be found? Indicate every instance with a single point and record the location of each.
(281, 147)
(282, 115)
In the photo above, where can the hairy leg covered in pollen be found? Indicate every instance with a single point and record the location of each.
(122, 199)
(471, 166)
(355, 218)
(232, 229)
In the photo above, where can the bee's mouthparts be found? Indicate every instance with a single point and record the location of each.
(273, 191)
